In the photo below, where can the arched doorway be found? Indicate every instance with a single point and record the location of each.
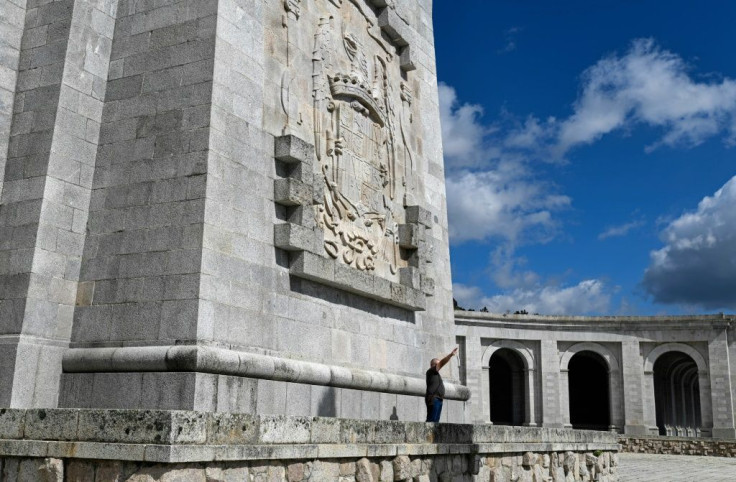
(677, 395)
(506, 379)
(589, 383)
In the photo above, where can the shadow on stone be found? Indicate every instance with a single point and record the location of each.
(394, 415)
(327, 406)
(336, 296)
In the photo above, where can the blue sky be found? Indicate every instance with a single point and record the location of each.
(589, 153)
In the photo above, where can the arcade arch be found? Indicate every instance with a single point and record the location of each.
(676, 375)
(509, 383)
(590, 390)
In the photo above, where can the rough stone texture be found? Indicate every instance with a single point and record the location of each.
(63, 430)
(678, 446)
(422, 468)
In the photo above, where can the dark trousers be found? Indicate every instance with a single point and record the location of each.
(434, 410)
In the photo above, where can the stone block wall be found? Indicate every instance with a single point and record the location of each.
(101, 445)
(678, 446)
(155, 445)
(527, 466)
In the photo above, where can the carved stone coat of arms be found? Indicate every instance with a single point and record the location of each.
(360, 141)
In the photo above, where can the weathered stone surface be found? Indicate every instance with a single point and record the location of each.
(295, 472)
(402, 467)
(387, 471)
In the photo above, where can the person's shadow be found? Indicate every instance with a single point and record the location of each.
(394, 415)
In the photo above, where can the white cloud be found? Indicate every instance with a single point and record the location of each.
(648, 85)
(652, 86)
(463, 134)
(586, 297)
(465, 295)
(490, 194)
(620, 230)
(697, 265)
(498, 204)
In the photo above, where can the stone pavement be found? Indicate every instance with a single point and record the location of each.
(675, 468)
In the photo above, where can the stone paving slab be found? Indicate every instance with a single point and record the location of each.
(675, 468)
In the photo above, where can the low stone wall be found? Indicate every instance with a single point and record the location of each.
(99, 445)
(678, 446)
(529, 467)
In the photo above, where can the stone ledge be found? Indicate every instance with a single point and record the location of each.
(221, 361)
(189, 428)
(185, 436)
(304, 264)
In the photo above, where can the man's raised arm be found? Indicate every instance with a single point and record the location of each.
(446, 359)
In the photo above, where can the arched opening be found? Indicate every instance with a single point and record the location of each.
(588, 380)
(506, 372)
(677, 395)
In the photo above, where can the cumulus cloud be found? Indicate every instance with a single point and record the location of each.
(466, 296)
(463, 133)
(697, 265)
(620, 230)
(490, 194)
(648, 85)
(497, 204)
(587, 297)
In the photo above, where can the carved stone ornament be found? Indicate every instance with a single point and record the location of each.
(361, 142)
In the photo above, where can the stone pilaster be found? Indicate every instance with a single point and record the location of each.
(633, 375)
(12, 20)
(720, 386)
(55, 131)
(551, 385)
(474, 373)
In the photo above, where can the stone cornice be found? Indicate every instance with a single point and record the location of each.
(475, 318)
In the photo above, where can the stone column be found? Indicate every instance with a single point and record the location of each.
(649, 403)
(530, 398)
(633, 375)
(485, 380)
(552, 388)
(614, 400)
(565, 398)
(62, 69)
(720, 385)
(706, 410)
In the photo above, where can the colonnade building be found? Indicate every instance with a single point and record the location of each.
(634, 375)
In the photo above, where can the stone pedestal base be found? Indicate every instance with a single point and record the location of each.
(74, 444)
(726, 433)
(636, 430)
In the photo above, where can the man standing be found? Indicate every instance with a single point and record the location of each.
(435, 387)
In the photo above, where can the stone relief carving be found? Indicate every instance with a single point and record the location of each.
(288, 103)
(362, 112)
